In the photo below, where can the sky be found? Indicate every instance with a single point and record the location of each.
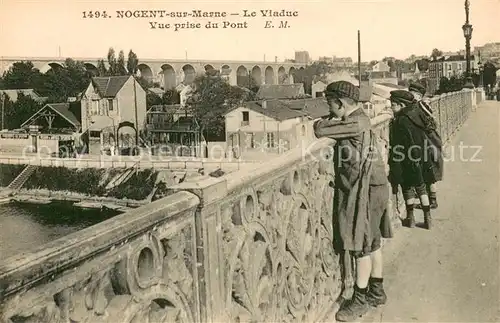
(398, 28)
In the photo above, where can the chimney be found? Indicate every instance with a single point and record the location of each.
(276, 59)
(264, 104)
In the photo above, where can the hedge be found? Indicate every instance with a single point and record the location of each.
(87, 181)
(9, 172)
(138, 187)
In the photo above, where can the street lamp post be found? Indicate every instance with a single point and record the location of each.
(467, 29)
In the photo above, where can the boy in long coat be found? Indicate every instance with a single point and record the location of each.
(361, 195)
(427, 118)
(412, 156)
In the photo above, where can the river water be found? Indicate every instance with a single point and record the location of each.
(25, 226)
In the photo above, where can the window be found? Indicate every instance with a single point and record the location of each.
(95, 107)
(110, 104)
(319, 94)
(95, 134)
(270, 140)
(246, 118)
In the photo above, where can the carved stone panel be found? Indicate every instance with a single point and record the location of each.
(277, 239)
(151, 281)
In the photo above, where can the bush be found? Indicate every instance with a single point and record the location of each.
(138, 187)
(9, 172)
(86, 181)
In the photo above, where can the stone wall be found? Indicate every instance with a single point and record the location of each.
(251, 246)
(21, 143)
(141, 162)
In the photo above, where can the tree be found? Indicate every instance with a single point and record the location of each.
(390, 62)
(16, 113)
(423, 64)
(399, 66)
(69, 81)
(317, 71)
(120, 64)
(112, 61)
(145, 83)
(211, 99)
(132, 63)
(22, 75)
(436, 53)
(171, 97)
(101, 68)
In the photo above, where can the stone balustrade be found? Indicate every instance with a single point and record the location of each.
(451, 110)
(251, 246)
(140, 162)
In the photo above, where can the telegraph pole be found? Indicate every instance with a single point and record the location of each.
(359, 57)
(136, 118)
(3, 109)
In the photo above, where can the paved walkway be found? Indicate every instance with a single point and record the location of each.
(450, 274)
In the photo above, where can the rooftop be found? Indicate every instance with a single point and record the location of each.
(275, 109)
(281, 91)
(452, 58)
(63, 109)
(13, 94)
(109, 86)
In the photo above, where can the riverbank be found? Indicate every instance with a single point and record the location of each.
(119, 188)
(44, 196)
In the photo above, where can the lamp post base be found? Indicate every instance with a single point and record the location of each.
(468, 83)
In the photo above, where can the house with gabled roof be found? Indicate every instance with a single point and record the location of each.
(59, 117)
(265, 126)
(113, 108)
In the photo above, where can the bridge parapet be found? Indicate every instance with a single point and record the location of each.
(450, 110)
(253, 245)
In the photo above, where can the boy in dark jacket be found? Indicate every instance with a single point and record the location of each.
(412, 155)
(361, 195)
(418, 91)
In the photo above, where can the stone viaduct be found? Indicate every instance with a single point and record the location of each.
(254, 245)
(170, 72)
